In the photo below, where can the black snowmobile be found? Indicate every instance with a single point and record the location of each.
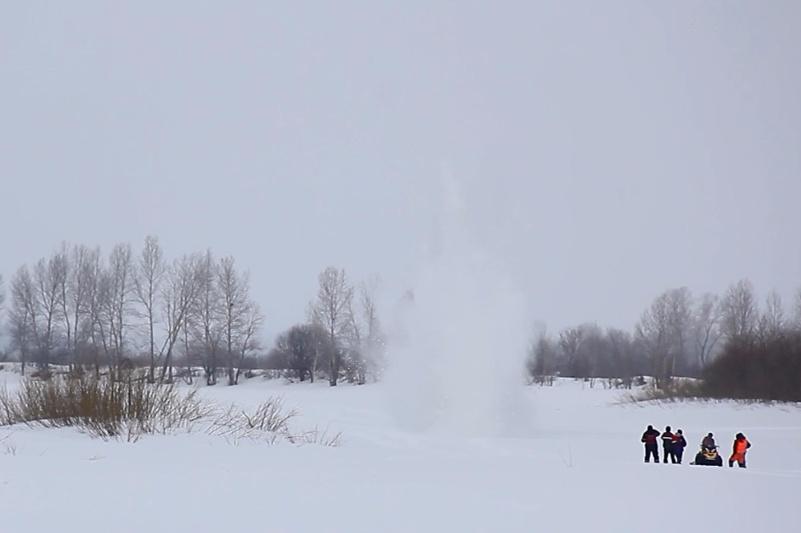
(708, 456)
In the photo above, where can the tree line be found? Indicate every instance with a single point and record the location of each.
(127, 309)
(84, 309)
(737, 346)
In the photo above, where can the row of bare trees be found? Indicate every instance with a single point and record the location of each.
(678, 335)
(81, 308)
(342, 337)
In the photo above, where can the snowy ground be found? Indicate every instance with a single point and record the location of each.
(580, 469)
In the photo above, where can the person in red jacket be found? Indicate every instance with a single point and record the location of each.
(679, 443)
(651, 446)
(739, 448)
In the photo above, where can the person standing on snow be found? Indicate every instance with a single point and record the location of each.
(667, 446)
(651, 447)
(679, 443)
(739, 448)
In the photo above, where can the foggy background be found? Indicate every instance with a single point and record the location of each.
(604, 152)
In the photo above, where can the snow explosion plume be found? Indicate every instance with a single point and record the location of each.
(458, 346)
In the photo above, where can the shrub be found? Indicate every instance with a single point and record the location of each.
(102, 407)
(759, 370)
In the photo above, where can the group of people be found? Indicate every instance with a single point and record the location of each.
(673, 445)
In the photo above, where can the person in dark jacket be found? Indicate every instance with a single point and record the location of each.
(679, 443)
(709, 442)
(667, 446)
(649, 438)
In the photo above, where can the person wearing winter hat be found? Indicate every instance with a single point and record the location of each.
(651, 447)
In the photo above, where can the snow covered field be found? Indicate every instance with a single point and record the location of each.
(578, 466)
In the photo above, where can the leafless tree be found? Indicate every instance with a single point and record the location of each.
(120, 281)
(772, 321)
(654, 331)
(23, 315)
(147, 285)
(570, 341)
(365, 340)
(240, 316)
(680, 321)
(181, 295)
(49, 279)
(798, 310)
(208, 317)
(100, 309)
(706, 327)
(739, 312)
(248, 338)
(330, 310)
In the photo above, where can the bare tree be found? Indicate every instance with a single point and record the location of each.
(241, 317)
(2, 299)
(570, 340)
(330, 310)
(181, 294)
(798, 310)
(654, 331)
(375, 342)
(147, 284)
(680, 320)
(772, 322)
(119, 277)
(208, 317)
(48, 279)
(81, 284)
(739, 312)
(248, 338)
(706, 327)
(23, 315)
(100, 310)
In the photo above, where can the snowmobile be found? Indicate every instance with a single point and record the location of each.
(708, 457)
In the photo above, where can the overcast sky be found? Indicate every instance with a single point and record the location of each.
(606, 150)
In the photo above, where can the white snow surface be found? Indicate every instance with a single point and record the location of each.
(580, 468)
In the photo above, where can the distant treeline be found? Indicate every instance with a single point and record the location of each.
(88, 311)
(738, 348)
(136, 310)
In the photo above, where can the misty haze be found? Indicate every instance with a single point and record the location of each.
(433, 266)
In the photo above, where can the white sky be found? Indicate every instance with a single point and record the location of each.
(606, 150)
